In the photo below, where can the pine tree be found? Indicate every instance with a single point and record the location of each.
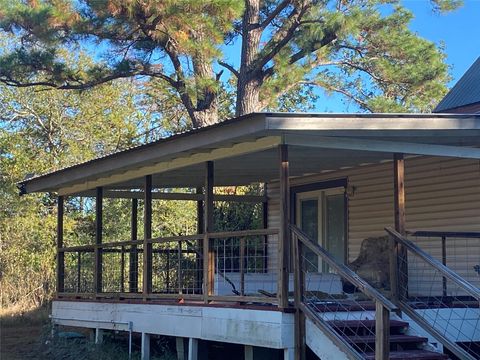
(362, 49)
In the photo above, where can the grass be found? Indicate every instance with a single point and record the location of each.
(27, 335)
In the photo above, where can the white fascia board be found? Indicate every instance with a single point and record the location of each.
(339, 122)
(382, 146)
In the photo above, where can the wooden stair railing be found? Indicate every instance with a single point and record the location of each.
(383, 306)
(438, 326)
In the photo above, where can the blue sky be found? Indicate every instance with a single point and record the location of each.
(459, 31)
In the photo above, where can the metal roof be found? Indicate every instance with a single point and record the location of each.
(244, 149)
(465, 92)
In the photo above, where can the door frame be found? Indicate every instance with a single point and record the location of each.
(317, 186)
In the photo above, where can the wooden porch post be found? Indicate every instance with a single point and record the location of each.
(208, 257)
(399, 188)
(198, 258)
(284, 231)
(382, 332)
(265, 226)
(60, 254)
(98, 238)
(300, 345)
(133, 263)
(200, 225)
(147, 230)
(401, 270)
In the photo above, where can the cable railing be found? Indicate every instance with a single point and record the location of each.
(441, 301)
(173, 268)
(359, 322)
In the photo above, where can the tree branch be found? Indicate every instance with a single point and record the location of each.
(230, 68)
(327, 39)
(89, 84)
(340, 91)
(274, 13)
(275, 48)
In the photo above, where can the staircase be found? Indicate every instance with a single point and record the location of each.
(344, 324)
(358, 333)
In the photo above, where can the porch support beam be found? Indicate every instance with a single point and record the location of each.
(399, 189)
(60, 254)
(145, 346)
(200, 226)
(133, 264)
(98, 238)
(298, 281)
(192, 349)
(147, 230)
(208, 255)
(182, 350)
(125, 194)
(365, 144)
(248, 350)
(284, 231)
(399, 266)
(99, 336)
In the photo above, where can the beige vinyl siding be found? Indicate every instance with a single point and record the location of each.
(441, 194)
(273, 221)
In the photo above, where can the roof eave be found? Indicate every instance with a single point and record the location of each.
(250, 126)
(151, 152)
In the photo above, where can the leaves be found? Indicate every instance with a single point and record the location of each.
(41, 131)
(360, 49)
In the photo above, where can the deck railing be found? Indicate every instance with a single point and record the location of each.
(321, 297)
(459, 251)
(237, 268)
(453, 319)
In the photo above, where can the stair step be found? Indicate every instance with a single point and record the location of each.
(359, 324)
(343, 305)
(411, 355)
(370, 339)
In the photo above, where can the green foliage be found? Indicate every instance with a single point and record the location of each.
(42, 131)
(232, 216)
(361, 49)
(384, 67)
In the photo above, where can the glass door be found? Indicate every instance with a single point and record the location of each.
(321, 215)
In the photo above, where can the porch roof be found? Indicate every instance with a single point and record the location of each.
(244, 150)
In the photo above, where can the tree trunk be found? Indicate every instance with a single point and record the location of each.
(206, 109)
(205, 117)
(250, 76)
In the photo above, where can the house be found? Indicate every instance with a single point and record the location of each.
(464, 97)
(339, 187)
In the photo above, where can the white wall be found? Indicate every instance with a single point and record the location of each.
(266, 328)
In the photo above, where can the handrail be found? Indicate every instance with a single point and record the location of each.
(211, 235)
(132, 246)
(344, 271)
(417, 251)
(457, 234)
